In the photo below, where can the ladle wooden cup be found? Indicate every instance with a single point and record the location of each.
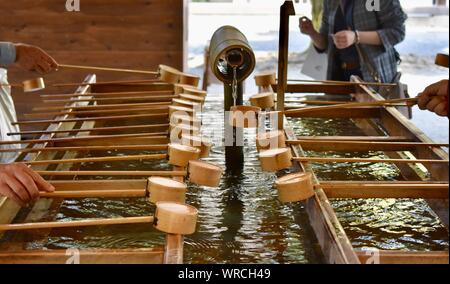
(166, 189)
(295, 187)
(189, 79)
(265, 79)
(263, 100)
(205, 174)
(180, 155)
(175, 218)
(275, 159)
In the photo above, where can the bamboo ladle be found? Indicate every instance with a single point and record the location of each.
(349, 105)
(96, 107)
(101, 118)
(269, 78)
(165, 73)
(29, 86)
(96, 129)
(94, 68)
(97, 159)
(84, 138)
(344, 82)
(160, 147)
(250, 114)
(172, 218)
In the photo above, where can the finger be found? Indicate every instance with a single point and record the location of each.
(45, 66)
(432, 104)
(9, 193)
(28, 183)
(423, 100)
(39, 69)
(441, 109)
(433, 89)
(41, 183)
(443, 89)
(50, 61)
(18, 189)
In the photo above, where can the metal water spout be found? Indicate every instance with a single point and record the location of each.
(232, 61)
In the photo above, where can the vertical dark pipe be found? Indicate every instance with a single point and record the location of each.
(230, 49)
(234, 155)
(286, 10)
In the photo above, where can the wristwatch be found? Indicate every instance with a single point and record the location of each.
(357, 38)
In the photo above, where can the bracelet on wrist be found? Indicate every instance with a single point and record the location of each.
(357, 38)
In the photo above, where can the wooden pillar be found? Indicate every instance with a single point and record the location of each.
(286, 10)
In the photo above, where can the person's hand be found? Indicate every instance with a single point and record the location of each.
(22, 184)
(435, 98)
(32, 58)
(306, 26)
(344, 39)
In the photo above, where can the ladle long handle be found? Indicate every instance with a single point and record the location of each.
(81, 223)
(347, 105)
(108, 69)
(344, 82)
(11, 85)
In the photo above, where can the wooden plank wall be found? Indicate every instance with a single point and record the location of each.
(136, 34)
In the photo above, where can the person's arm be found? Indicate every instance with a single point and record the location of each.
(28, 57)
(319, 38)
(435, 98)
(344, 39)
(22, 184)
(7, 53)
(392, 20)
(391, 32)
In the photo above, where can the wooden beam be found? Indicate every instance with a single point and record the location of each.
(114, 94)
(105, 118)
(98, 159)
(96, 129)
(88, 148)
(367, 160)
(286, 10)
(114, 173)
(385, 190)
(97, 107)
(117, 82)
(113, 256)
(351, 139)
(144, 140)
(357, 112)
(129, 99)
(79, 138)
(358, 146)
(403, 257)
(102, 112)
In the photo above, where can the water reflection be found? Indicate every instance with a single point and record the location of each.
(389, 224)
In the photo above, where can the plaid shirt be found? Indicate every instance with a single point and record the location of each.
(389, 22)
(7, 53)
